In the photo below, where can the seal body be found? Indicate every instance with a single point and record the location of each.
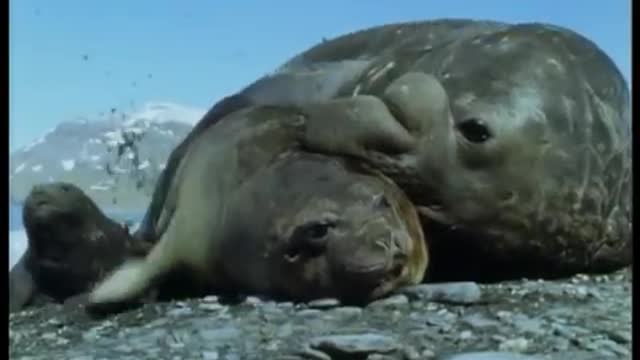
(527, 173)
(71, 245)
(249, 212)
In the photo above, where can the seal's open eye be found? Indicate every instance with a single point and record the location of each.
(309, 240)
(474, 130)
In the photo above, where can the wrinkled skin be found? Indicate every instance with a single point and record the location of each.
(335, 232)
(529, 172)
(71, 245)
(276, 221)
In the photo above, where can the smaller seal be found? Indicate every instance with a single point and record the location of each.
(71, 245)
(302, 226)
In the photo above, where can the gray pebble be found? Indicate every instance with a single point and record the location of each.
(395, 300)
(180, 311)
(489, 355)
(347, 311)
(454, 292)
(309, 312)
(323, 303)
(479, 321)
(355, 344)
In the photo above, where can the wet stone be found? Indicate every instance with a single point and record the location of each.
(391, 301)
(452, 293)
(347, 311)
(323, 303)
(489, 355)
(479, 321)
(353, 345)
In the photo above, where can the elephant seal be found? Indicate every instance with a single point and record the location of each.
(71, 245)
(527, 173)
(249, 212)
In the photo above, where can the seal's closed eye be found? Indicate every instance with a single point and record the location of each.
(308, 240)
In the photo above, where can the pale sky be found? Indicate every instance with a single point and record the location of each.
(71, 58)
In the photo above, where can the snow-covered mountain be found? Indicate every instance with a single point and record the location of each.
(115, 160)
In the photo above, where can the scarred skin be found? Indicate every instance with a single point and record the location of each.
(527, 173)
(277, 221)
(71, 245)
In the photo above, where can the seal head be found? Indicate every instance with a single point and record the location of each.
(71, 243)
(336, 231)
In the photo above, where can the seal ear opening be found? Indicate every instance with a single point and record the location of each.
(308, 241)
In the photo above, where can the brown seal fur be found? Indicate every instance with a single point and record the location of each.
(71, 245)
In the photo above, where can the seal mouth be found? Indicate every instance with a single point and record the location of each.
(371, 282)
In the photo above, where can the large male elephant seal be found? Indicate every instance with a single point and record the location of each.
(248, 212)
(71, 245)
(529, 172)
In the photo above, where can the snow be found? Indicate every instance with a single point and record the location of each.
(167, 132)
(159, 112)
(17, 246)
(162, 166)
(68, 165)
(145, 164)
(95, 158)
(19, 168)
(98, 187)
(114, 138)
(36, 168)
(37, 141)
(118, 170)
(135, 130)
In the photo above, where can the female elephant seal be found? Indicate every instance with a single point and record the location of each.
(71, 245)
(527, 169)
(246, 212)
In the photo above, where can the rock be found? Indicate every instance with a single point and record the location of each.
(562, 327)
(394, 300)
(452, 293)
(324, 303)
(347, 311)
(489, 355)
(518, 344)
(479, 321)
(353, 345)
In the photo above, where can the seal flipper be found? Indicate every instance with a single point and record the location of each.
(355, 126)
(22, 287)
(131, 281)
(148, 229)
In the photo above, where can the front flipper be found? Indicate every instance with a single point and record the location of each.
(418, 101)
(354, 126)
(22, 287)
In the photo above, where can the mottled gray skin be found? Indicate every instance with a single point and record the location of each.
(71, 245)
(530, 172)
(248, 212)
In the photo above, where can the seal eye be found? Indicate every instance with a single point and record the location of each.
(318, 230)
(381, 202)
(474, 130)
(308, 240)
